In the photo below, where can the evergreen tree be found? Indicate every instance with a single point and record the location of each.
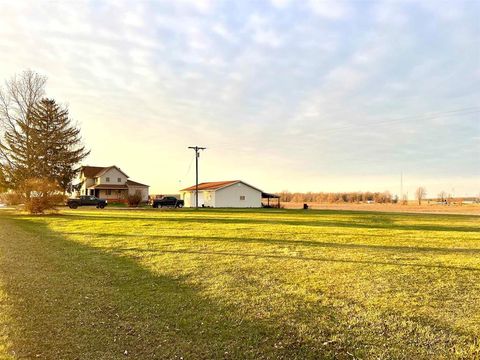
(37, 138)
(57, 141)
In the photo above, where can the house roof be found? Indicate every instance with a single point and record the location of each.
(134, 183)
(91, 171)
(96, 171)
(109, 187)
(216, 185)
(109, 168)
(213, 185)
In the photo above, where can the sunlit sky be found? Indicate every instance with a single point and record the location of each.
(297, 95)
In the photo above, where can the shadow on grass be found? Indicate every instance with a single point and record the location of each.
(299, 258)
(72, 301)
(287, 242)
(357, 223)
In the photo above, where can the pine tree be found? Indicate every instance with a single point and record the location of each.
(37, 138)
(57, 142)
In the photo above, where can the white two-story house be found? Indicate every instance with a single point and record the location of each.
(109, 183)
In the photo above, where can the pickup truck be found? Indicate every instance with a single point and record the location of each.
(86, 200)
(168, 201)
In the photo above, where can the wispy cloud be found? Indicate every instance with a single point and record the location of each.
(330, 9)
(304, 88)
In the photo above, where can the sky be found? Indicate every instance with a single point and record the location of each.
(285, 95)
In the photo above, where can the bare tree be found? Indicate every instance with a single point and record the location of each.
(420, 194)
(21, 92)
(442, 196)
(17, 100)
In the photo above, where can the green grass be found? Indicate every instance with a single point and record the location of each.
(259, 284)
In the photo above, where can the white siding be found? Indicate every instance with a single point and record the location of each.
(230, 196)
(86, 183)
(113, 175)
(208, 198)
(189, 198)
(185, 196)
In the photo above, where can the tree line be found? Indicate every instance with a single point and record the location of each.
(337, 197)
(40, 146)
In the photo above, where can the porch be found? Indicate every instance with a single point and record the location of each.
(112, 193)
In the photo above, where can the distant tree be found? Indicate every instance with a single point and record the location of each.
(420, 194)
(285, 196)
(442, 196)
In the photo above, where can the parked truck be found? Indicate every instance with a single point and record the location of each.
(168, 201)
(86, 200)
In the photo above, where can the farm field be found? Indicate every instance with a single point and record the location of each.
(230, 284)
(412, 207)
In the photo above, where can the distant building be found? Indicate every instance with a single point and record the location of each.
(109, 183)
(228, 194)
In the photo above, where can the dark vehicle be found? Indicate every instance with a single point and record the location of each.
(168, 201)
(86, 200)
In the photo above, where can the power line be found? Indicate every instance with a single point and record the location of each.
(426, 116)
(460, 112)
(189, 167)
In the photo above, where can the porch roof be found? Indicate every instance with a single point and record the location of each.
(109, 187)
(269, 196)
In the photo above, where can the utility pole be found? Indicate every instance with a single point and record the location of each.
(197, 155)
(401, 186)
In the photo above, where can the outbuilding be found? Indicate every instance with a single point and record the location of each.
(224, 194)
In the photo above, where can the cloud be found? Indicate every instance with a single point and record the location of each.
(203, 6)
(280, 4)
(257, 85)
(330, 9)
(267, 37)
(222, 31)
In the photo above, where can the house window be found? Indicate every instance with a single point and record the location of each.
(242, 197)
(108, 192)
(119, 179)
(107, 179)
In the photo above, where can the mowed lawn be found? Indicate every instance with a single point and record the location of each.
(257, 284)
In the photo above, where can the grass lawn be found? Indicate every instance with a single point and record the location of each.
(259, 284)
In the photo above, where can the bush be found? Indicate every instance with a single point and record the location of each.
(12, 198)
(135, 199)
(40, 195)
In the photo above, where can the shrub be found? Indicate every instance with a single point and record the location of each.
(11, 198)
(135, 199)
(40, 195)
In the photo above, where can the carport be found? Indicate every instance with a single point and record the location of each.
(271, 196)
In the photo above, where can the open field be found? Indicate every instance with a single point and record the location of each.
(272, 284)
(412, 207)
